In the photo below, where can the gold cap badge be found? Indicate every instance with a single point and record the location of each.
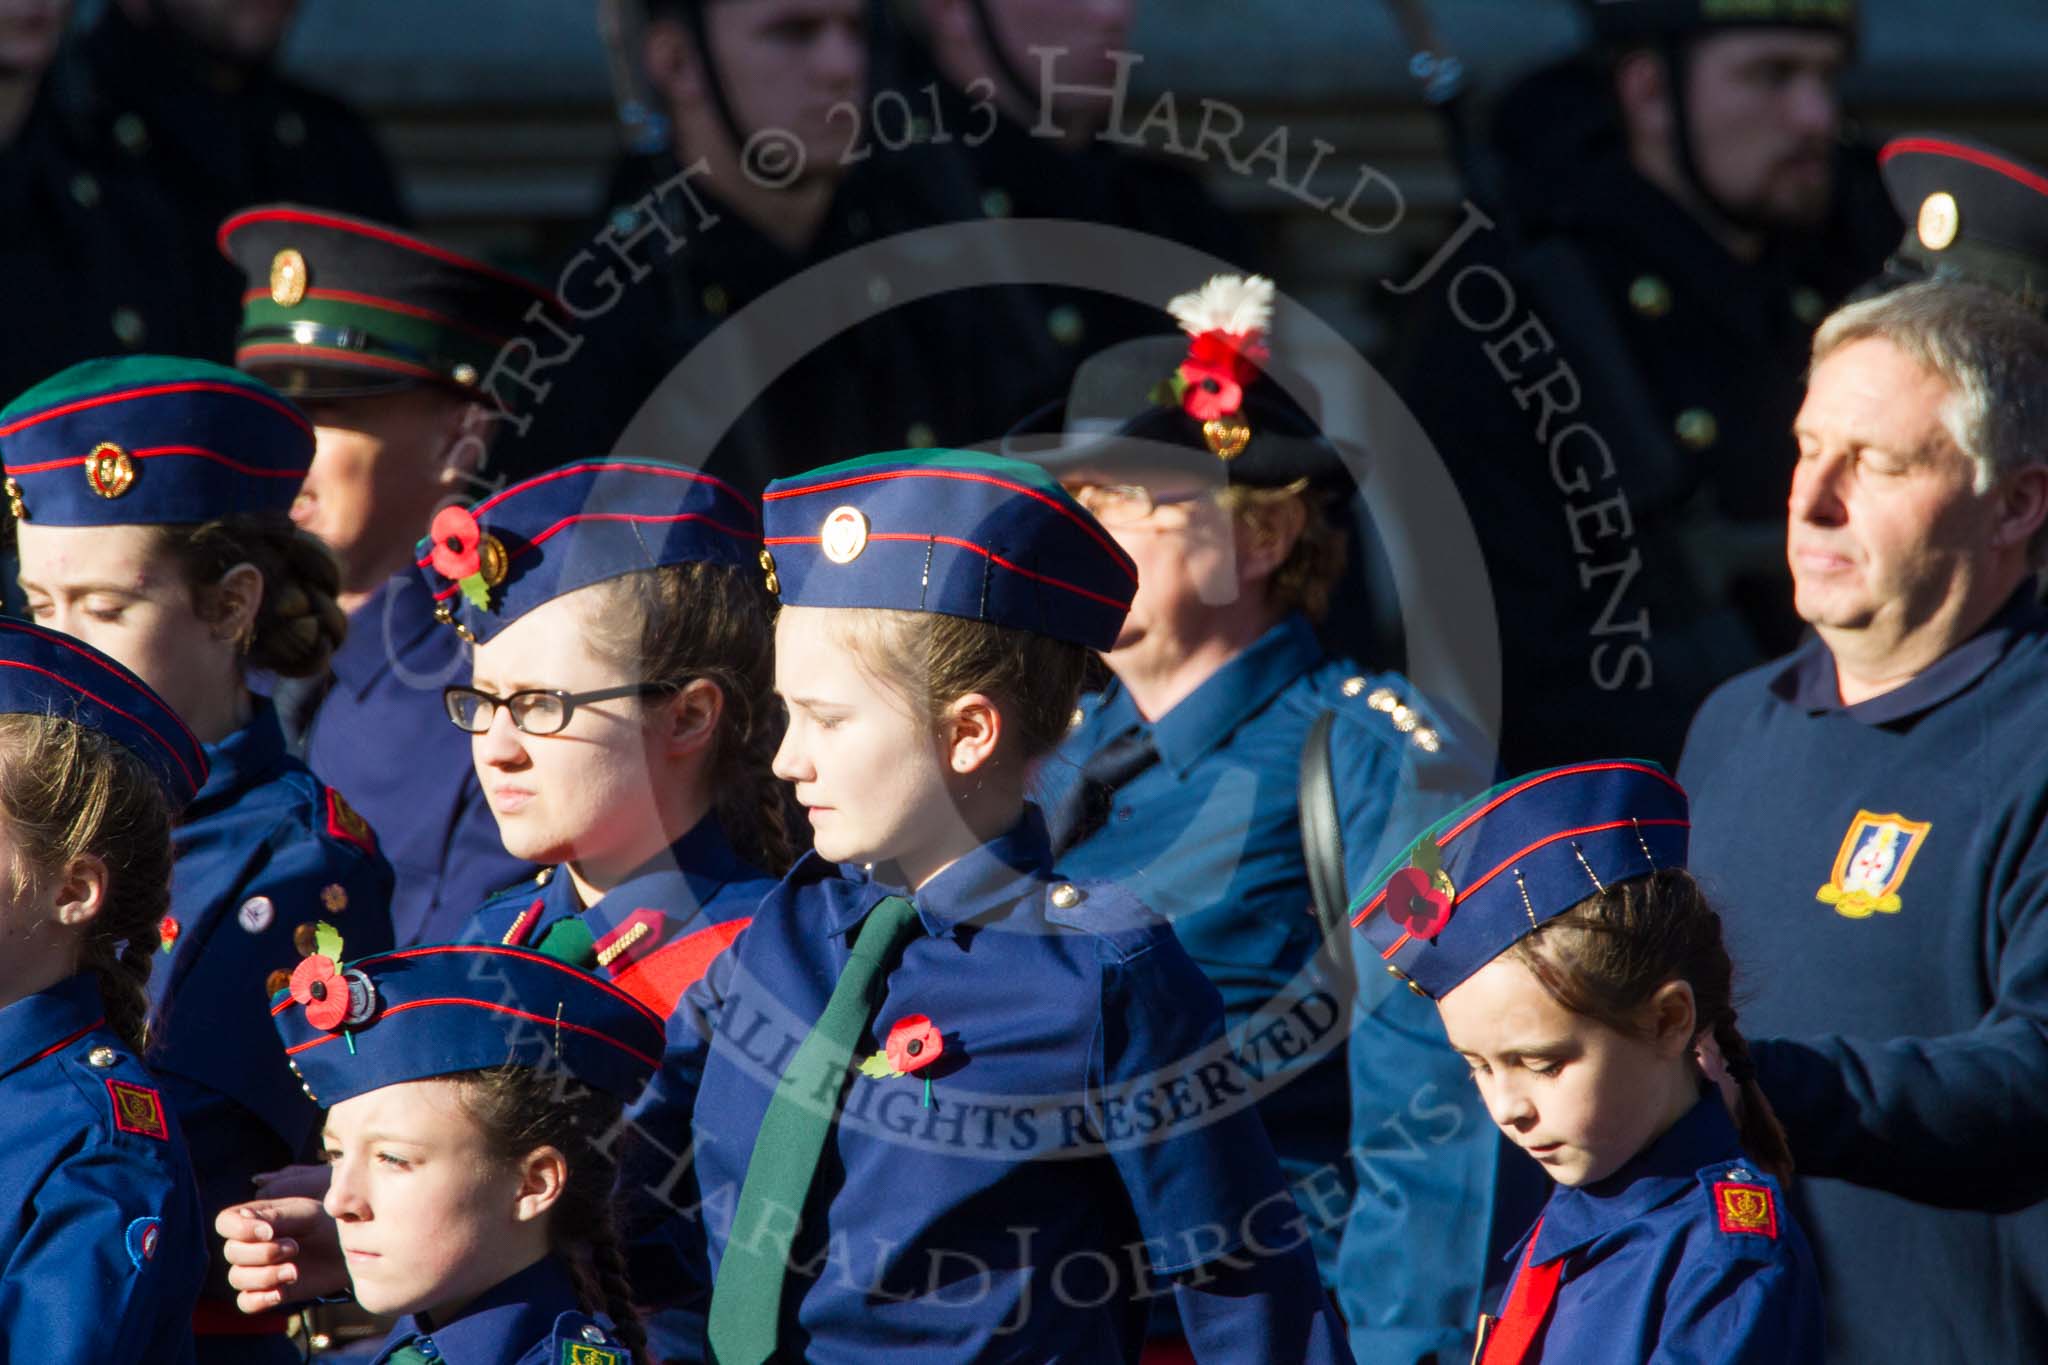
(1227, 436)
(1940, 221)
(287, 278)
(844, 535)
(108, 470)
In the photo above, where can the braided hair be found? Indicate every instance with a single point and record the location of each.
(1606, 956)
(520, 1109)
(67, 791)
(299, 621)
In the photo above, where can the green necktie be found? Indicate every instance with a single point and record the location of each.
(746, 1300)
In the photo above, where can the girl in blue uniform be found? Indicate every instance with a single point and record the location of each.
(473, 1097)
(954, 1108)
(1580, 972)
(151, 496)
(102, 1246)
(620, 724)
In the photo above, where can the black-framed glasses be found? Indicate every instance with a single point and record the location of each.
(536, 711)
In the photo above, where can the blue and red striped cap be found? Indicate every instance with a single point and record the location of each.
(583, 523)
(949, 531)
(1491, 872)
(151, 440)
(435, 1010)
(46, 673)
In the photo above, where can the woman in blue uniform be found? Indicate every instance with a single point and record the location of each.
(150, 496)
(955, 1105)
(621, 729)
(473, 1096)
(102, 1247)
(1580, 973)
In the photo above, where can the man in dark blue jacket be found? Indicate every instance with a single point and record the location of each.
(1871, 812)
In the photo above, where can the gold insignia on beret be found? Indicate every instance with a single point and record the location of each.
(844, 534)
(108, 470)
(1227, 436)
(1940, 221)
(287, 278)
(14, 502)
(768, 569)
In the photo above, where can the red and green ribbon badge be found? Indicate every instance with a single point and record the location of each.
(460, 553)
(1420, 895)
(913, 1044)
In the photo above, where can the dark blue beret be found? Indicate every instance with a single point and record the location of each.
(47, 673)
(948, 531)
(150, 441)
(416, 1013)
(512, 552)
(1491, 872)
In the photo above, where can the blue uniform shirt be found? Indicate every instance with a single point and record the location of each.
(705, 894)
(382, 736)
(1085, 1123)
(262, 849)
(1210, 837)
(1882, 870)
(533, 1318)
(1687, 1253)
(102, 1240)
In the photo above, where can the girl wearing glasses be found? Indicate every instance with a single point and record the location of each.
(150, 499)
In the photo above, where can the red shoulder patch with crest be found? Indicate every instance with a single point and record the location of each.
(138, 1109)
(344, 824)
(1746, 1208)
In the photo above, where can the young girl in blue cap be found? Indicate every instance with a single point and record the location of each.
(955, 1108)
(620, 723)
(150, 496)
(102, 1246)
(1580, 973)
(473, 1096)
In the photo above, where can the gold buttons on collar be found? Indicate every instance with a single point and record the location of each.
(101, 1057)
(768, 568)
(1353, 686)
(1066, 895)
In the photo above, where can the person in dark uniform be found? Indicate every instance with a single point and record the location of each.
(1607, 359)
(1009, 1158)
(150, 495)
(767, 103)
(102, 1243)
(188, 93)
(388, 342)
(85, 250)
(1033, 146)
(1581, 976)
(1179, 781)
(1871, 811)
(470, 1092)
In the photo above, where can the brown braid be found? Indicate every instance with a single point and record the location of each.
(1608, 955)
(683, 622)
(69, 792)
(299, 624)
(521, 1109)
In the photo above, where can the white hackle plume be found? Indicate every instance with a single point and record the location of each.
(1232, 304)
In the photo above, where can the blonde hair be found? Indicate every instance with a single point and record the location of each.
(66, 792)
(1314, 562)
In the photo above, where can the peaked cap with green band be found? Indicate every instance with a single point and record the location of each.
(340, 307)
